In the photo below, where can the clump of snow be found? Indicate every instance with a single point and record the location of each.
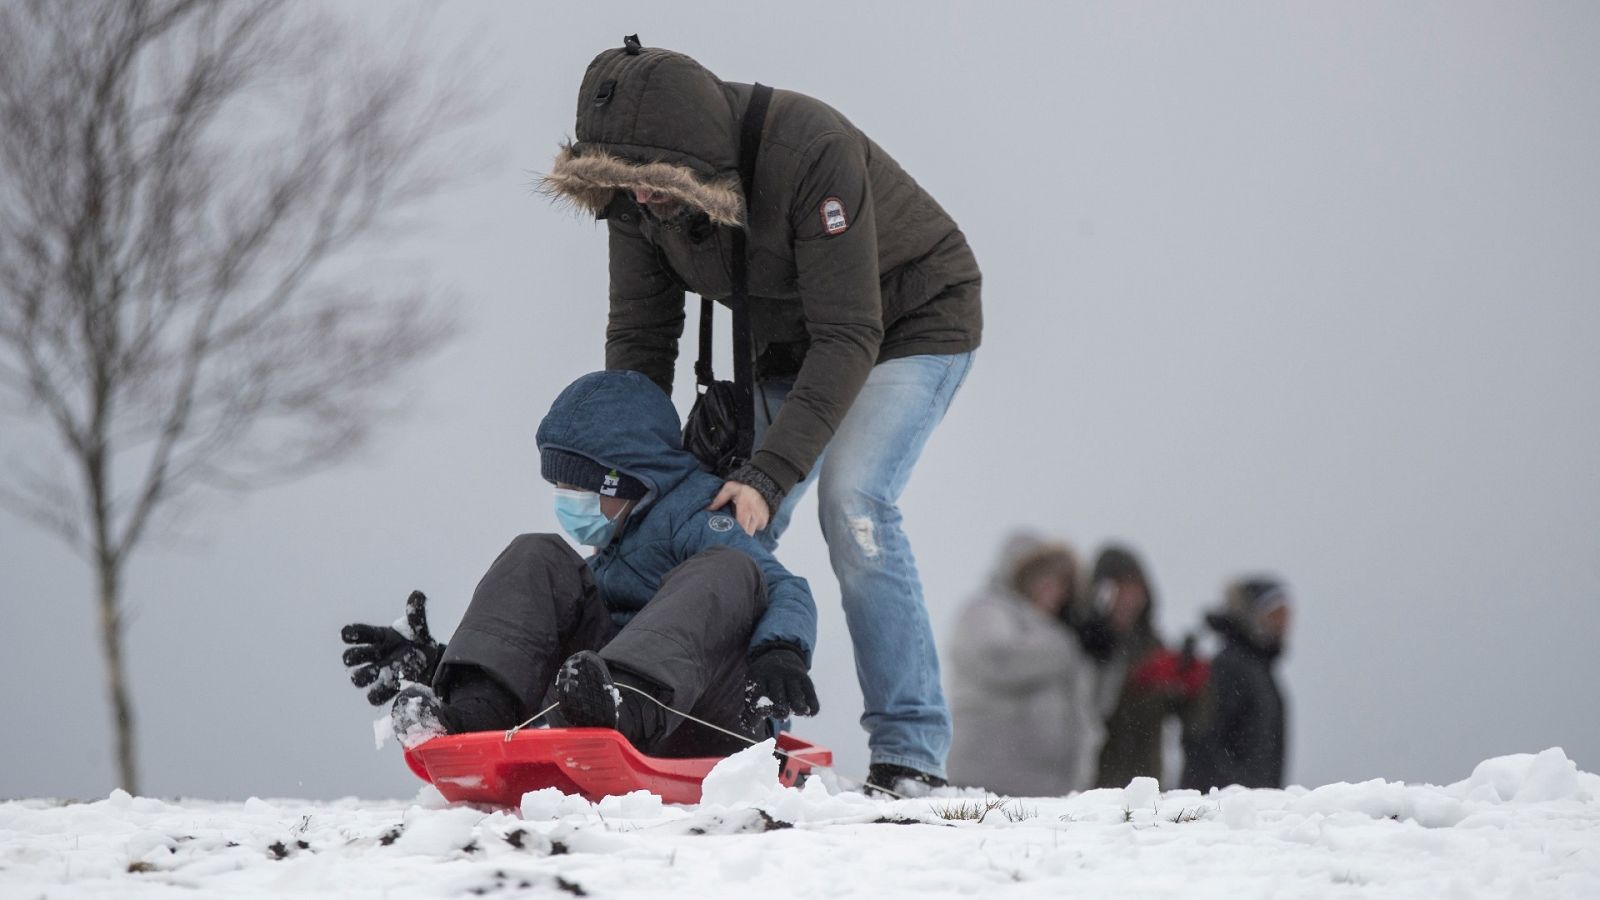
(550, 803)
(748, 780)
(143, 843)
(634, 805)
(428, 797)
(1525, 778)
(438, 832)
(1429, 806)
(1239, 811)
(1100, 805)
(743, 779)
(813, 802)
(1141, 793)
(260, 807)
(382, 731)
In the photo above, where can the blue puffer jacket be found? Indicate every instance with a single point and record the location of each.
(622, 420)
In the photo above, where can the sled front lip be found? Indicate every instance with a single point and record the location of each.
(484, 767)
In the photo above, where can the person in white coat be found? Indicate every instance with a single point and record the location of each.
(1022, 689)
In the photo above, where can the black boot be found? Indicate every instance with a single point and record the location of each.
(475, 701)
(589, 697)
(902, 780)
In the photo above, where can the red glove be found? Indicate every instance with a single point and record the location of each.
(1165, 672)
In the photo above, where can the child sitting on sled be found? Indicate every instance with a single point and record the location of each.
(677, 602)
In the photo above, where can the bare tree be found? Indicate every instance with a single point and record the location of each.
(177, 178)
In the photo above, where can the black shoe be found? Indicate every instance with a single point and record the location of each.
(418, 716)
(585, 693)
(904, 781)
(590, 697)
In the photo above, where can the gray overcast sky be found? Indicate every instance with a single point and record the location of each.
(1309, 288)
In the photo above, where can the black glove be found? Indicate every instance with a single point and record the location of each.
(386, 657)
(778, 685)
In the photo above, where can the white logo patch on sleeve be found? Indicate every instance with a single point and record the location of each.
(834, 220)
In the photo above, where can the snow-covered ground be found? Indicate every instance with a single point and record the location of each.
(1519, 826)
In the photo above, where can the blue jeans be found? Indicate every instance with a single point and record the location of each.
(861, 474)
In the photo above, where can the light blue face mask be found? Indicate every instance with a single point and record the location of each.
(580, 516)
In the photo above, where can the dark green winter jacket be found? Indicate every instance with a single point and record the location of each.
(851, 262)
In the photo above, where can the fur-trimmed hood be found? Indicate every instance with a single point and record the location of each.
(655, 119)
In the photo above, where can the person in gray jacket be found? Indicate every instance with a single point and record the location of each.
(1022, 688)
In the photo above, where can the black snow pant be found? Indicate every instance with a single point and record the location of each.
(538, 604)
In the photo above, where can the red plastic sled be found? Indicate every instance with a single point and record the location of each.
(483, 767)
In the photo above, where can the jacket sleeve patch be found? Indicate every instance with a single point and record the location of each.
(834, 220)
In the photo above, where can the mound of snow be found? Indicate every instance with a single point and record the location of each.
(439, 832)
(1429, 806)
(1141, 793)
(1527, 778)
(550, 803)
(743, 779)
(634, 805)
(813, 802)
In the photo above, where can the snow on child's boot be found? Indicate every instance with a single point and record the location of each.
(589, 697)
(474, 702)
(418, 716)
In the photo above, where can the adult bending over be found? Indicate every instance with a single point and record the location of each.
(864, 311)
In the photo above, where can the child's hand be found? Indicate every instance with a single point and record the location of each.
(386, 657)
(778, 685)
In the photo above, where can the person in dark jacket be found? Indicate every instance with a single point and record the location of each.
(1239, 738)
(865, 312)
(1150, 682)
(677, 603)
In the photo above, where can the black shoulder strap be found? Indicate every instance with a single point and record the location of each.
(755, 118)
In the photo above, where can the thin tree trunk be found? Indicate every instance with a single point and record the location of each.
(116, 678)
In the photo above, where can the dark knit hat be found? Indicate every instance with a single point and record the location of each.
(1251, 598)
(1119, 563)
(561, 466)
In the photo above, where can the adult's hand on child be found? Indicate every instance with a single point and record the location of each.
(754, 495)
(384, 657)
(778, 684)
(749, 510)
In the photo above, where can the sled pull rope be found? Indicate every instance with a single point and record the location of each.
(512, 732)
(714, 727)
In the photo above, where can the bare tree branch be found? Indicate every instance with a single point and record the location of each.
(46, 502)
(166, 304)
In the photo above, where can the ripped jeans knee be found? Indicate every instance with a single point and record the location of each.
(863, 529)
(865, 534)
